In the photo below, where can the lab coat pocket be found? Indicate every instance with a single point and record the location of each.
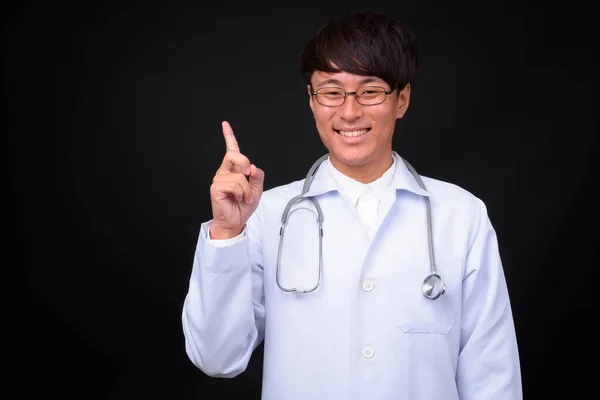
(417, 314)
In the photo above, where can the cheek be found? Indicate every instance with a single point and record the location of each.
(322, 116)
(386, 119)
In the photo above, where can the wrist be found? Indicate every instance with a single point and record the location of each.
(220, 233)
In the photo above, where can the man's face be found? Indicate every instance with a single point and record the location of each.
(358, 137)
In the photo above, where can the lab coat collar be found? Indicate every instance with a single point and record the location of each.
(324, 181)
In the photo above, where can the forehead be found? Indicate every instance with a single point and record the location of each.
(343, 79)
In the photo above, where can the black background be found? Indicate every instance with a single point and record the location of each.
(113, 113)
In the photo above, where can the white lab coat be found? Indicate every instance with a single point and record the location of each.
(367, 332)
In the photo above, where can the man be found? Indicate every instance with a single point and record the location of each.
(338, 293)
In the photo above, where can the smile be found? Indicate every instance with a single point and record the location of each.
(354, 133)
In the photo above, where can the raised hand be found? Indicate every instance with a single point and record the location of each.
(235, 191)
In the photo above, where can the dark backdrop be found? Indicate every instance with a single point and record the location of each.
(113, 114)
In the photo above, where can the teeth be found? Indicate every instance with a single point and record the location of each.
(353, 133)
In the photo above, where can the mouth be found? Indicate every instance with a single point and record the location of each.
(352, 133)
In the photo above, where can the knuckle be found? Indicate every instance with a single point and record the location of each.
(243, 182)
(239, 177)
(234, 186)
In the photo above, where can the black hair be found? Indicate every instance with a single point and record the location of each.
(365, 43)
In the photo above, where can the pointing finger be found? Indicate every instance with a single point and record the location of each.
(230, 140)
(234, 161)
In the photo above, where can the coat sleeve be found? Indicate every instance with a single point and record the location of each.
(488, 365)
(223, 313)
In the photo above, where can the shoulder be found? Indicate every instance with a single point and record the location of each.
(274, 200)
(452, 192)
(459, 211)
(283, 192)
(456, 201)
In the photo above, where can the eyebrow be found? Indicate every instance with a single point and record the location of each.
(333, 81)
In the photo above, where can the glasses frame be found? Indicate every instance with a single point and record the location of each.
(346, 94)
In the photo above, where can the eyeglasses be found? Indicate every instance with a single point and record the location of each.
(367, 95)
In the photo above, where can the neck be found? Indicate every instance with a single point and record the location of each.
(366, 172)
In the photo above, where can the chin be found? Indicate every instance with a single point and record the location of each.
(354, 159)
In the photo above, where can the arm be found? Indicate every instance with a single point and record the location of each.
(488, 365)
(223, 312)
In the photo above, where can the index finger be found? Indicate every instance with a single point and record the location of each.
(230, 142)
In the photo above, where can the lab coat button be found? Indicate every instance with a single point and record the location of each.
(368, 286)
(367, 352)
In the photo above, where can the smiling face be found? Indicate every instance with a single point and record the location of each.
(358, 137)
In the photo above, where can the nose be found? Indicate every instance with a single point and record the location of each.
(351, 109)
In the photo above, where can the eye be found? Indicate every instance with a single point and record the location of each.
(370, 92)
(331, 93)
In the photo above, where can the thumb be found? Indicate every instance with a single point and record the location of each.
(256, 181)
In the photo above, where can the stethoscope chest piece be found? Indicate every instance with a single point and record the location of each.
(433, 287)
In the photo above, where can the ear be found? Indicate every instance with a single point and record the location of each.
(403, 101)
(311, 100)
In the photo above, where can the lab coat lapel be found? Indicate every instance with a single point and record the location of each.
(323, 181)
(342, 224)
(403, 183)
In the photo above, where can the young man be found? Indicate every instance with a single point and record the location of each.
(331, 271)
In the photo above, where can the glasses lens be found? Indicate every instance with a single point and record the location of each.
(330, 96)
(370, 95)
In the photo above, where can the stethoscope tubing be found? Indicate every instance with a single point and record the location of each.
(427, 288)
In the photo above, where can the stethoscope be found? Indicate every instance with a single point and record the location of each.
(432, 287)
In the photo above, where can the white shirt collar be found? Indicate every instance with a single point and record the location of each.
(402, 179)
(353, 189)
